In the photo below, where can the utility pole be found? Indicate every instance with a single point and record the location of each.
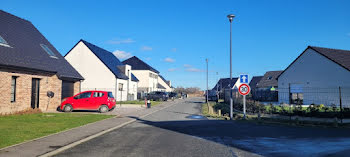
(230, 17)
(217, 85)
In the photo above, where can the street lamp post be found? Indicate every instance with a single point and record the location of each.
(206, 60)
(230, 17)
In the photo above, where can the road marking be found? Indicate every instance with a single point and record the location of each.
(54, 152)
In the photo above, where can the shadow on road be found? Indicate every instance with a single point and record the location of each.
(263, 139)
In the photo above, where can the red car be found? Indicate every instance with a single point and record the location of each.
(89, 100)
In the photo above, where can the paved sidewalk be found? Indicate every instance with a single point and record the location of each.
(52, 142)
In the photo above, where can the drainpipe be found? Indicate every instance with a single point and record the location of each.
(116, 88)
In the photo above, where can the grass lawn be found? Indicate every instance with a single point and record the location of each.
(140, 102)
(19, 128)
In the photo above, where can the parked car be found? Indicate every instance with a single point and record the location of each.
(172, 95)
(212, 96)
(158, 96)
(89, 100)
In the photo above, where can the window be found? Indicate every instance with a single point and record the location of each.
(3, 42)
(269, 78)
(98, 94)
(48, 50)
(13, 88)
(83, 95)
(120, 87)
(297, 98)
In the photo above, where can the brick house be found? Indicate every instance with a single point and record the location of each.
(30, 67)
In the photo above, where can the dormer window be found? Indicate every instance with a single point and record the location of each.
(3, 42)
(48, 50)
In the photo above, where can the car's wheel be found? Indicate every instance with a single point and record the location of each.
(103, 109)
(68, 108)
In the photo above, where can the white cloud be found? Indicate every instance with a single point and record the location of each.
(148, 58)
(169, 60)
(187, 66)
(194, 70)
(172, 69)
(122, 54)
(118, 41)
(146, 48)
(174, 49)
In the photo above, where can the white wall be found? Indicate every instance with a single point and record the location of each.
(96, 74)
(121, 95)
(320, 79)
(145, 81)
(153, 82)
(143, 77)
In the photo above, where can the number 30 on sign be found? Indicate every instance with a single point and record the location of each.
(244, 89)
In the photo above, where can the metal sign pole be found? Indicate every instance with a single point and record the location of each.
(244, 107)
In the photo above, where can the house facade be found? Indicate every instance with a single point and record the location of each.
(31, 69)
(148, 76)
(252, 84)
(317, 76)
(224, 86)
(267, 88)
(102, 70)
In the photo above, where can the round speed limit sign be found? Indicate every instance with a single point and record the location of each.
(244, 89)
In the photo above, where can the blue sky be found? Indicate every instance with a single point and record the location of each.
(175, 36)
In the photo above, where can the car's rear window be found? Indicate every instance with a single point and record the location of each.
(110, 95)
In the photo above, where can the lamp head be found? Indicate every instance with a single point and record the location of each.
(230, 17)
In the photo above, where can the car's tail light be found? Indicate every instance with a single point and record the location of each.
(110, 99)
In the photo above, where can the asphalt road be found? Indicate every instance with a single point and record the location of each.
(179, 131)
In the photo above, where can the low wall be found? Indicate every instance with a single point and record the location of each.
(310, 119)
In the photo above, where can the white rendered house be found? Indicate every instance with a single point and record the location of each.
(103, 71)
(317, 76)
(148, 76)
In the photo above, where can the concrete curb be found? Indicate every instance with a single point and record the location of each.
(54, 152)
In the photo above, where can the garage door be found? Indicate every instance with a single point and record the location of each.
(67, 89)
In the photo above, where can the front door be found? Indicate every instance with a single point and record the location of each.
(35, 93)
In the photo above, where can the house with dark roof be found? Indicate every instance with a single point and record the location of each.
(317, 76)
(165, 83)
(252, 84)
(225, 83)
(31, 67)
(147, 75)
(102, 70)
(223, 87)
(266, 89)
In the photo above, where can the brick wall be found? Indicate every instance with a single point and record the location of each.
(23, 91)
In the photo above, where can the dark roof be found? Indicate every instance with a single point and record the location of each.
(134, 78)
(107, 58)
(340, 57)
(269, 79)
(255, 80)
(167, 82)
(25, 52)
(160, 86)
(138, 64)
(225, 83)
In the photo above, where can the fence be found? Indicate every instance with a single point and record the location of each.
(336, 96)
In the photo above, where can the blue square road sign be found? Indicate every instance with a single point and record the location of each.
(243, 79)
